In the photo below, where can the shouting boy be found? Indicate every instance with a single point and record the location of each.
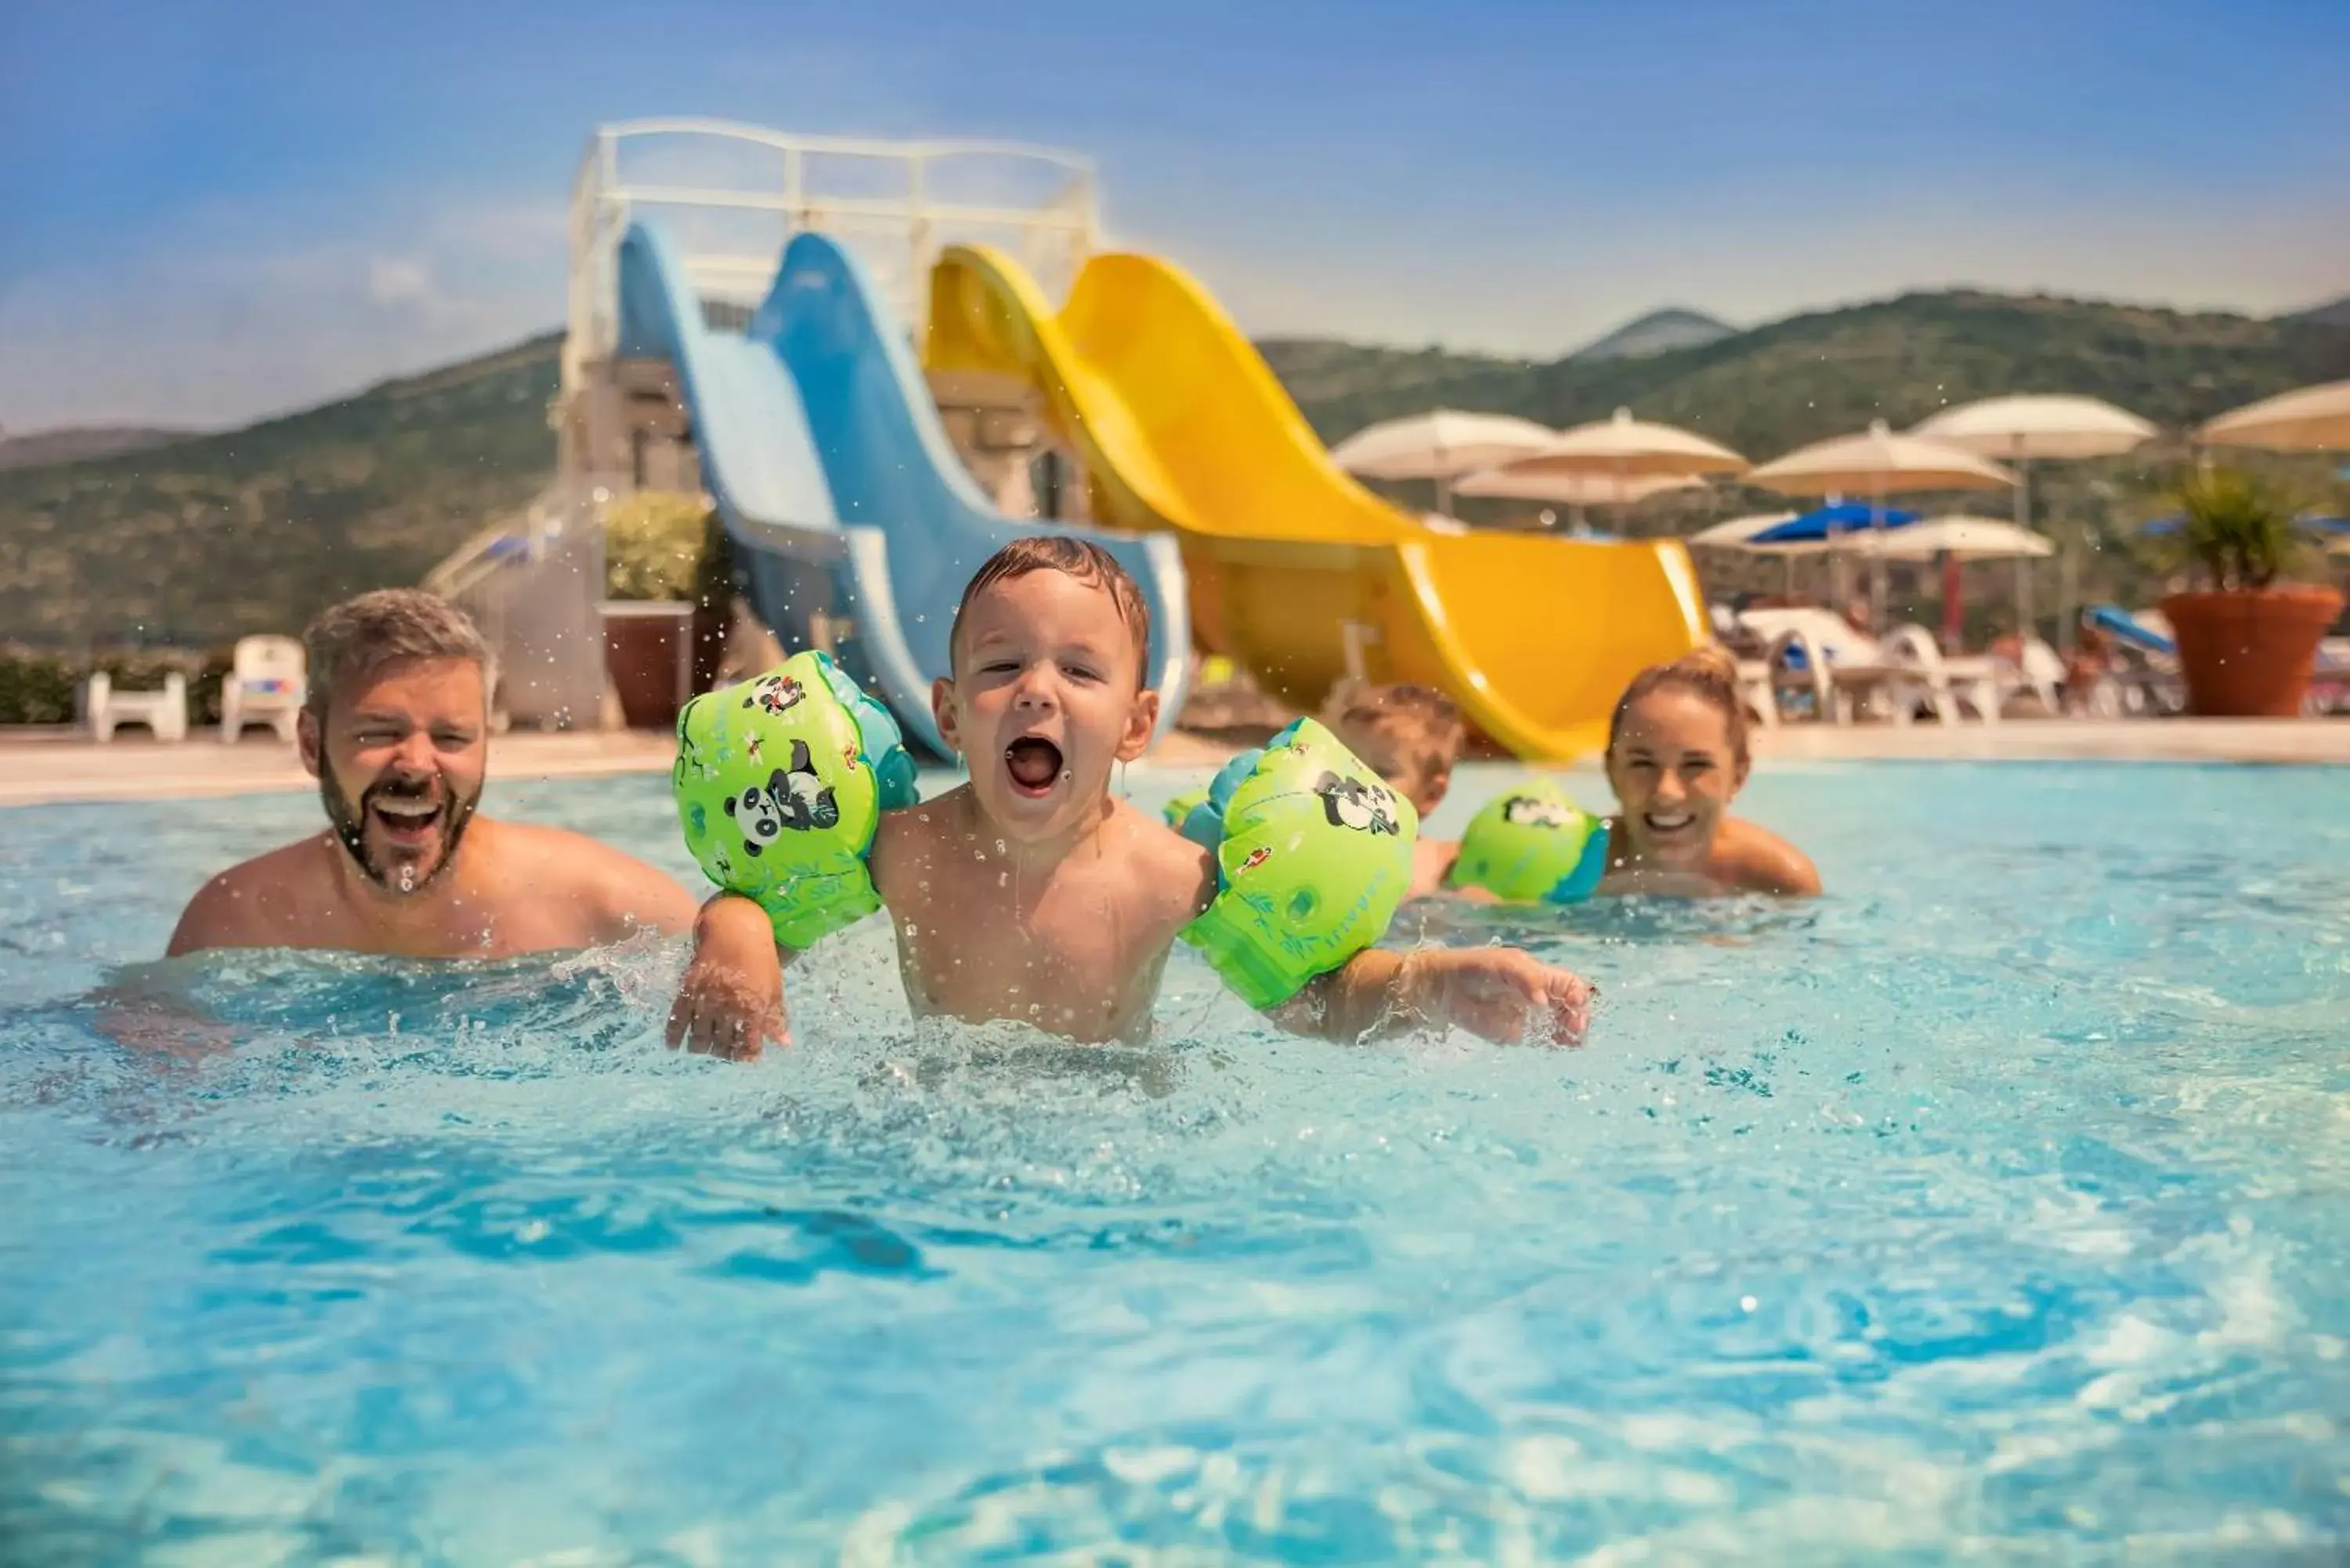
(1029, 893)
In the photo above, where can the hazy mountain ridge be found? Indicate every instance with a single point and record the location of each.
(253, 530)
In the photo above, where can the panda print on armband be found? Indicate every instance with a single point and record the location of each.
(1530, 811)
(1354, 804)
(795, 798)
(775, 695)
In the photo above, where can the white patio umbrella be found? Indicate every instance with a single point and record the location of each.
(1738, 533)
(1624, 448)
(1957, 539)
(1442, 445)
(1876, 464)
(1572, 489)
(1962, 537)
(2036, 427)
(2314, 419)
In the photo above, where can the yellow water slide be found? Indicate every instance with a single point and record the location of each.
(1295, 569)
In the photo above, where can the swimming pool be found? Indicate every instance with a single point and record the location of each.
(1997, 1205)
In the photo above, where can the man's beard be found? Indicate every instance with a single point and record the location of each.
(350, 828)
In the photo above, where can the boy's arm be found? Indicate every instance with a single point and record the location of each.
(731, 1001)
(1501, 994)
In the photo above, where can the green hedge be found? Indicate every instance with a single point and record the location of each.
(41, 688)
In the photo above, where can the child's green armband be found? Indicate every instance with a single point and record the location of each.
(780, 785)
(1313, 855)
(1180, 809)
(1533, 844)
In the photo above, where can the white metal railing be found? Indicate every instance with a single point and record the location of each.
(813, 183)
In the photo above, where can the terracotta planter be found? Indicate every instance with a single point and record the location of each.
(649, 653)
(2248, 655)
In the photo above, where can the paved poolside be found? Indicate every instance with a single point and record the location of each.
(41, 768)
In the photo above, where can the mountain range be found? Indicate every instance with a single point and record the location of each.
(1659, 332)
(209, 537)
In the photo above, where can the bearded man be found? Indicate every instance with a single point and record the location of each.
(396, 730)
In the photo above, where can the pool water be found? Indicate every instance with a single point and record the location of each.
(1994, 1208)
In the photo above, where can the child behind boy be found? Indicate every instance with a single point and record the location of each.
(1028, 893)
(1412, 737)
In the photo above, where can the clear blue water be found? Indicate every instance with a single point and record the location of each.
(1996, 1208)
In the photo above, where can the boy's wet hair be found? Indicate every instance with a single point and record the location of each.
(1411, 735)
(350, 643)
(1706, 673)
(1087, 562)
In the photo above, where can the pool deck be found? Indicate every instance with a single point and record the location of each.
(44, 768)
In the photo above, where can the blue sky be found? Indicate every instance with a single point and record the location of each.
(209, 212)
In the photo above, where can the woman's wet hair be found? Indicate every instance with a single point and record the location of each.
(1708, 673)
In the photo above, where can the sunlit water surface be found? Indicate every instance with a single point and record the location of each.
(1996, 1207)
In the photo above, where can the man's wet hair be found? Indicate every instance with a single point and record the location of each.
(350, 643)
(1087, 562)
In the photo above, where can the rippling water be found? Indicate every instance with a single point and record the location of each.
(1994, 1208)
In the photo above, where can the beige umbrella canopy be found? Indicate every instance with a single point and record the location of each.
(1739, 532)
(1628, 448)
(2314, 419)
(1442, 445)
(1962, 537)
(1876, 464)
(2061, 428)
(1570, 489)
(2056, 427)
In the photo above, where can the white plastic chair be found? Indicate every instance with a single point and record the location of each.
(1947, 680)
(2039, 671)
(166, 712)
(1758, 688)
(267, 683)
(1845, 672)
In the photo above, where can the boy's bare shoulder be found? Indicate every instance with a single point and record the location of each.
(255, 903)
(1179, 875)
(1753, 857)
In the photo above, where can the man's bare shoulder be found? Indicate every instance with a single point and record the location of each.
(625, 892)
(270, 900)
(1752, 858)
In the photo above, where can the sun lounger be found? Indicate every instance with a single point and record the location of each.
(266, 684)
(1845, 673)
(166, 712)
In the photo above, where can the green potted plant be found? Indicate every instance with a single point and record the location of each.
(2247, 639)
(654, 543)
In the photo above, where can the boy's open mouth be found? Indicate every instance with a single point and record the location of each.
(1035, 763)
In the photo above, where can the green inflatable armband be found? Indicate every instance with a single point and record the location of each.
(1313, 855)
(1179, 810)
(780, 785)
(1533, 844)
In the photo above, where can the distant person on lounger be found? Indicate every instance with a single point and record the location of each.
(397, 733)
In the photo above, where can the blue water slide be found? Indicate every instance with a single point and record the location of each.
(751, 436)
(848, 507)
(918, 526)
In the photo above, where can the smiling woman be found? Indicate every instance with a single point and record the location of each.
(1677, 757)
